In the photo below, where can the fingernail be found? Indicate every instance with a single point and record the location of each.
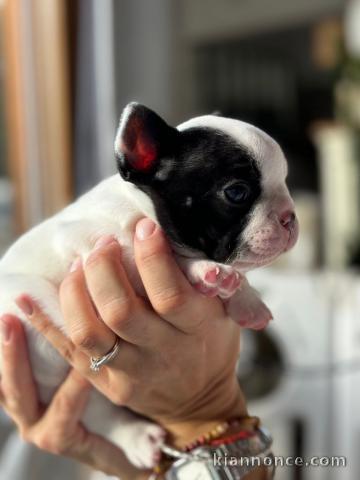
(145, 228)
(25, 304)
(75, 265)
(105, 240)
(5, 330)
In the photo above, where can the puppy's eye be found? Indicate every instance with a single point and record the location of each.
(237, 193)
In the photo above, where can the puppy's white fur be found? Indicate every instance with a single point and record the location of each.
(38, 262)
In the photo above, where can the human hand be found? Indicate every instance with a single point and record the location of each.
(57, 427)
(177, 359)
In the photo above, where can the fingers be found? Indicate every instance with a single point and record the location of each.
(85, 327)
(109, 287)
(65, 412)
(116, 301)
(19, 396)
(169, 291)
(43, 324)
(125, 361)
(59, 430)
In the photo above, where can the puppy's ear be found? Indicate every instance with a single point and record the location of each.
(143, 138)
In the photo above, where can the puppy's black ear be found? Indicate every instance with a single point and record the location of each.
(143, 138)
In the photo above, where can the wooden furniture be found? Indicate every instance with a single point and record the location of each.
(38, 117)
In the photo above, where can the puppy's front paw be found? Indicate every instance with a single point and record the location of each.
(256, 318)
(143, 444)
(249, 311)
(212, 278)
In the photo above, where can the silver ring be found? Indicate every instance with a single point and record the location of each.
(97, 362)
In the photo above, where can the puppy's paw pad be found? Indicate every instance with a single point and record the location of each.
(230, 282)
(227, 281)
(221, 277)
(211, 276)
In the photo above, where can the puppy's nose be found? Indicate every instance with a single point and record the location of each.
(287, 219)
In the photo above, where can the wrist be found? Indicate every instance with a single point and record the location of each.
(219, 406)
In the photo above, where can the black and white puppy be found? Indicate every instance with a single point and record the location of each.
(217, 188)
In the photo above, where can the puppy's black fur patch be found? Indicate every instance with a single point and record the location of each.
(186, 183)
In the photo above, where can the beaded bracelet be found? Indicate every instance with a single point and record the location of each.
(218, 431)
(242, 435)
(215, 432)
(214, 437)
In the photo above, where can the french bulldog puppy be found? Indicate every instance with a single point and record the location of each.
(217, 188)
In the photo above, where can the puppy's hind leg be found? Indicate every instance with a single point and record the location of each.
(136, 436)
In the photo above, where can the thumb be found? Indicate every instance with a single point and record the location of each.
(168, 290)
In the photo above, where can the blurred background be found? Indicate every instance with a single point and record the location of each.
(68, 67)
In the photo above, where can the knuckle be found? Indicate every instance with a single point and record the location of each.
(67, 283)
(83, 338)
(59, 449)
(58, 440)
(42, 323)
(67, 287)
(117, 312)
(63, 405)
(67, 352)
(151, 257)
(14, 400)
(52, 445)
(94, 259)
(100, 257)
(169, 301)
(45, 442)
(123, 396)
(25, 435)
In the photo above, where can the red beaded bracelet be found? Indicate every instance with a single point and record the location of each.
(219, 430)
(243, 434)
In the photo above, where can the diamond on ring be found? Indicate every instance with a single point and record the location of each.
(97, 362)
